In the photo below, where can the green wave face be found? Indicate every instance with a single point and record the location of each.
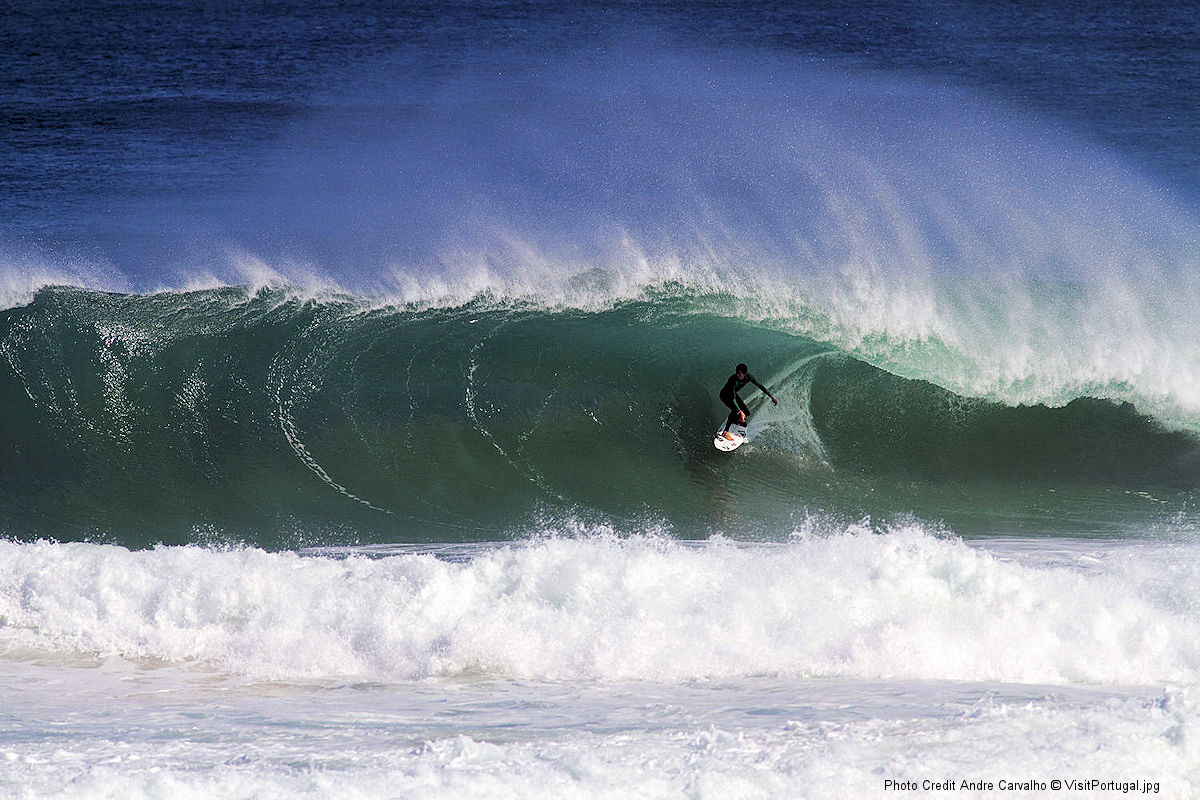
(222, 416)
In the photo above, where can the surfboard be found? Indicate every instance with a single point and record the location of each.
(728, 445)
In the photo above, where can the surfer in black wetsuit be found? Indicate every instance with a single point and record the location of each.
(729, 396)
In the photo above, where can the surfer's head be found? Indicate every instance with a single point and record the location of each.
(742, 370)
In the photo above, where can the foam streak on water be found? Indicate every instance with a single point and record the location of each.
(168, 737)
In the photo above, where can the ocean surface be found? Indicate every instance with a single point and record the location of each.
(359, 366)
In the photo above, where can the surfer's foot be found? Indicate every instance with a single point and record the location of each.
(727, 435)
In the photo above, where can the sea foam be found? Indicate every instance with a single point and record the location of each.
(901, 604)
(1120, 741)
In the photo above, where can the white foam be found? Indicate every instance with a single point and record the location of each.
(299, 746)
(901, 604)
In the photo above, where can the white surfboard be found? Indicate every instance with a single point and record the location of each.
(739, 436)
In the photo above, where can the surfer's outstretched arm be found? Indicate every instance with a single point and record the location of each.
(763, 389)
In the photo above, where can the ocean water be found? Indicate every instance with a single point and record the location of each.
(359, 362)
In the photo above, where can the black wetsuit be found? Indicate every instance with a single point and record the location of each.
(729, 396)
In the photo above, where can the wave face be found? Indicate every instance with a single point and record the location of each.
(227, 415)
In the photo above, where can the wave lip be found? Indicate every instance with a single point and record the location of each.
(901, 605)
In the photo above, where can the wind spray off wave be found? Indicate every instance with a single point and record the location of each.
(930, 231)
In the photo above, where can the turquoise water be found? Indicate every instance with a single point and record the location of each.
(221, 415)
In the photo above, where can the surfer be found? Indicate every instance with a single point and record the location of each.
(729, 396)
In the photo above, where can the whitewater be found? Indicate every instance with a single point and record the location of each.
(592, 664)
(358, 373)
